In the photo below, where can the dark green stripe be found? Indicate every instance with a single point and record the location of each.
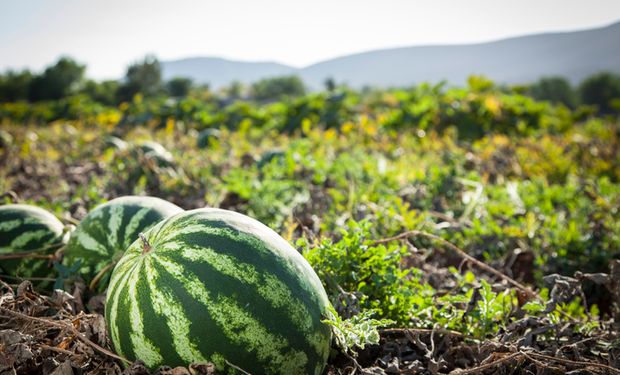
(207, 334)
(242, 250)
(123, 322)
(151, 218)
(95, 229)
(156, 329)
(7, 237)
(275, 320)
(123, 235)
(26, 268)
(104, 222)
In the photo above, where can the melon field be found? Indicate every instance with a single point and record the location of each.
(432, 230)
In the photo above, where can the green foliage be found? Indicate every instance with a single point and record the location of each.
(528, 186)
(57, 81)
(65, 273)
(363, 277)
(473, 112)
(143, 77)
(554, 89)
(70, 108)
(357, 331)
(15, 86)
(600, 90)
(376, 272)
(179, 87)
(101, 92)
(234, 90)
(330, 84)
(278, 87)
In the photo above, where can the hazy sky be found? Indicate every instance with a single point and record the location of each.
(107, 35)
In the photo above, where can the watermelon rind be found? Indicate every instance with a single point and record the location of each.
(27, 229)
(215, 285)
(105, 233)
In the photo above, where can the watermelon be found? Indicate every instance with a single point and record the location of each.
(115, 143)
(156, 152)
(215, 285)
(105, 233)
(25, 228)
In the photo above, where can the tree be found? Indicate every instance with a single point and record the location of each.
(102, 92)
(600, 90)
(274, 88)
(179, 87)
(330, 84)
(57, 81)
(479, 84)
(142, 77)
(14, 86)
(234, 90)
(555, 90)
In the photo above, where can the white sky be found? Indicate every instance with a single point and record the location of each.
(107, 35)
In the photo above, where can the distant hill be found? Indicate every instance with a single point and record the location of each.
(220, 72)
(574, 55)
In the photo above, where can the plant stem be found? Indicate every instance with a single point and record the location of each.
(146, 246)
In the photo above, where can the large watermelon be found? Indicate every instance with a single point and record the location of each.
(215, 285)
(105, 233)
(25, 228)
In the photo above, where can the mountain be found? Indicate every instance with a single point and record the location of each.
(574, 55)
(220, 72)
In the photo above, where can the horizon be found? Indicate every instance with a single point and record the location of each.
(232, 59)
(108, 36)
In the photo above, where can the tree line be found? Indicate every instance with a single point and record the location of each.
(66, 78)
(601, 90)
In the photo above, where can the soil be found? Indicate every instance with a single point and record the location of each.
(59, 334)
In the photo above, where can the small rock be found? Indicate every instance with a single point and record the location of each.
(202, 369)
(64, 369)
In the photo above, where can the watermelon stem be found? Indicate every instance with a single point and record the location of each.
(100, 275)
(146, 246)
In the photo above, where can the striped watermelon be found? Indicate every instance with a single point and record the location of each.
(156, 152)
(105, 233)
(215, 285)
(116, 143)
(25, 228)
